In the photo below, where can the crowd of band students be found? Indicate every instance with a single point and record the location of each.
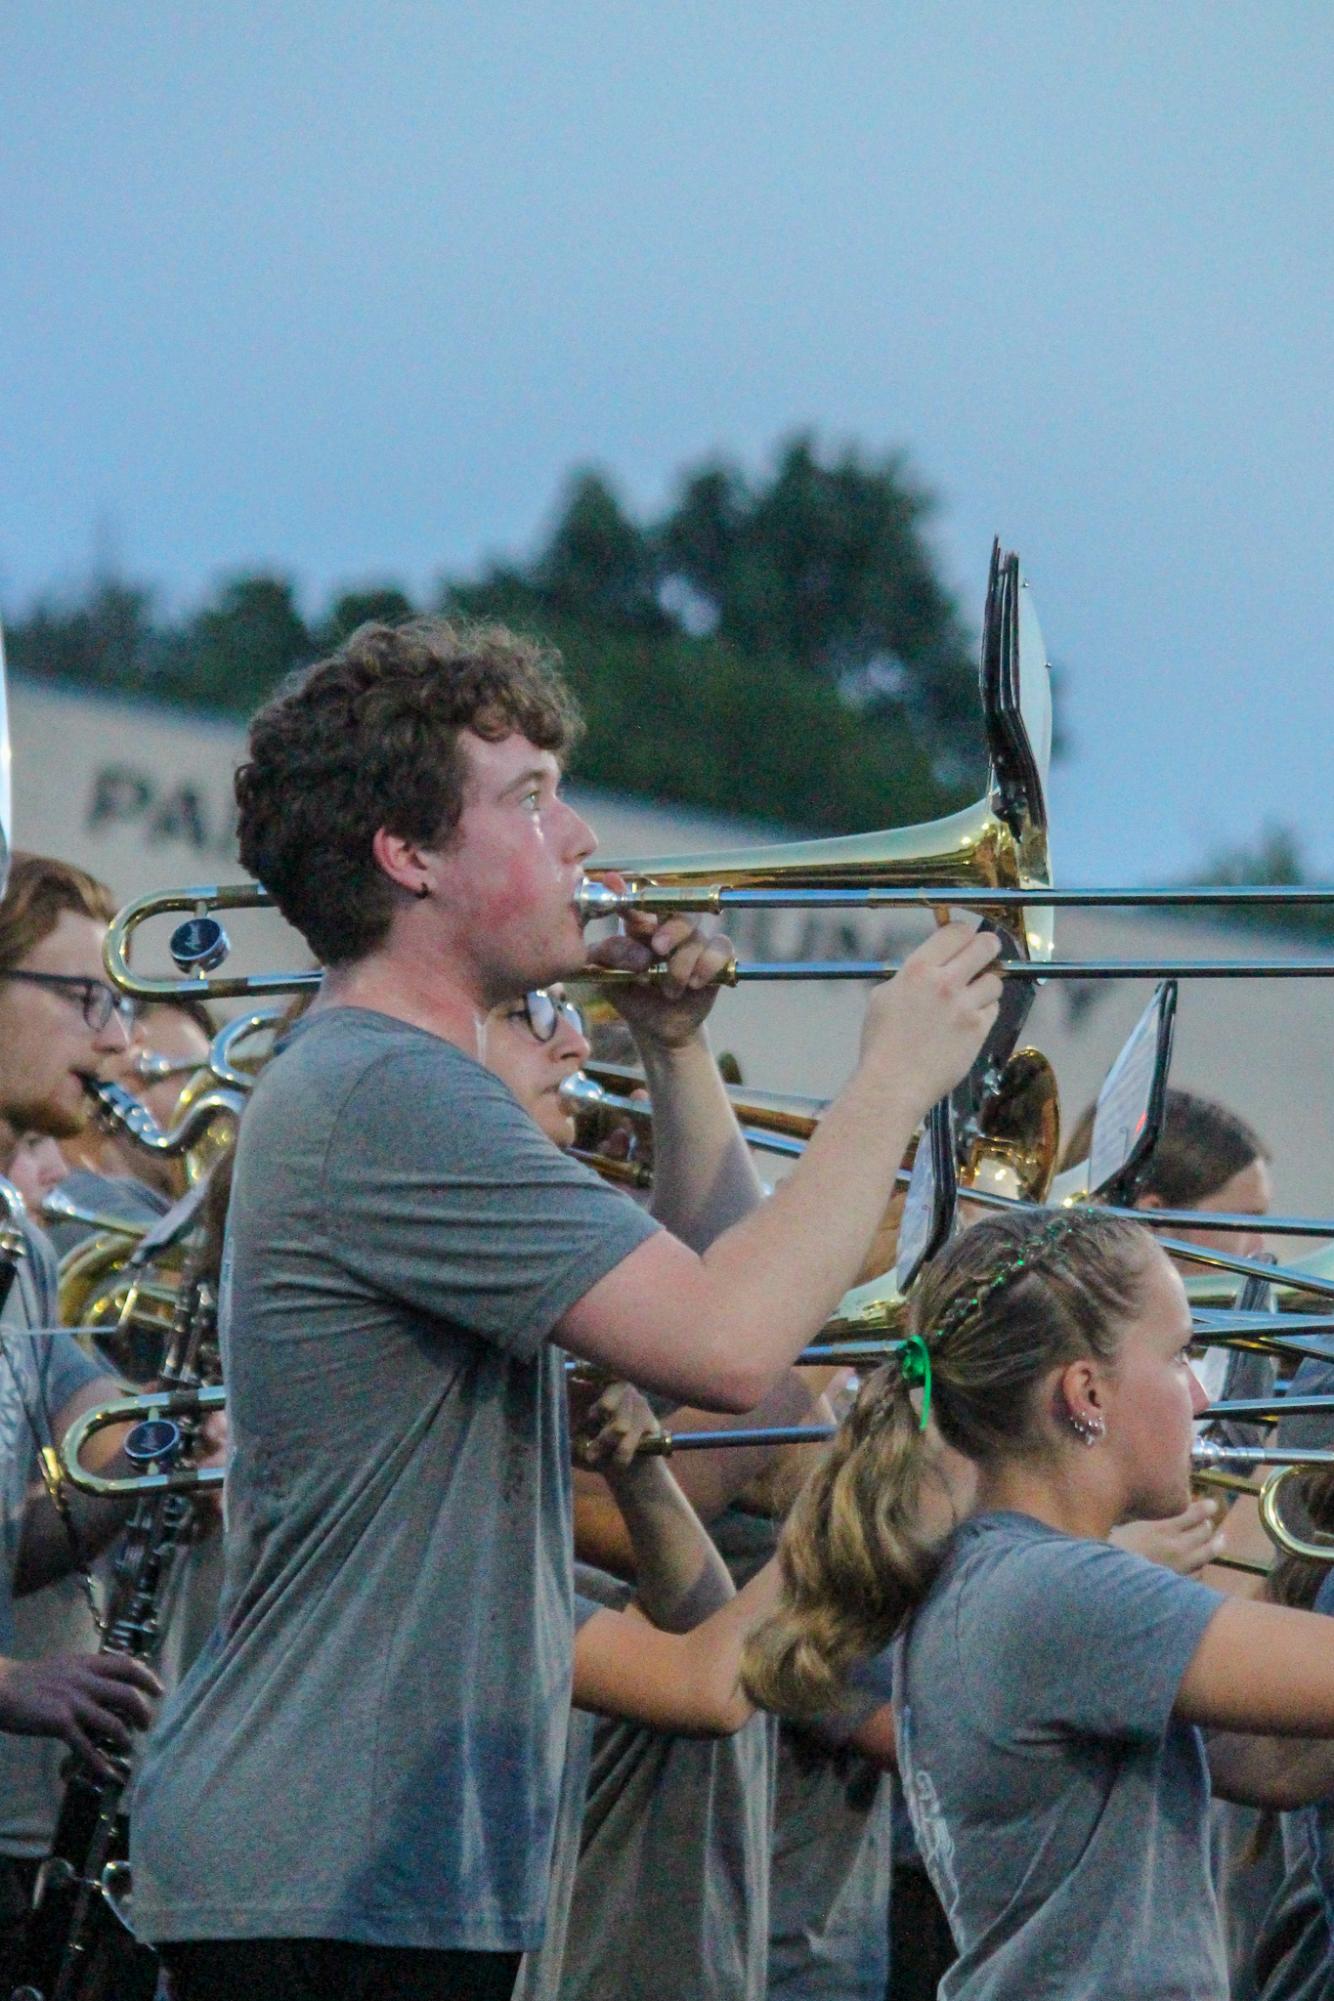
(946, 1700)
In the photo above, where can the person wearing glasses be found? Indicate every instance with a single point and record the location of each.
(111, 1173)
(59, 1023)
(407, 1256)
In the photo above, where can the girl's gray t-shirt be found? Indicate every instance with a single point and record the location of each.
(1061, 1811)
(369, 1747)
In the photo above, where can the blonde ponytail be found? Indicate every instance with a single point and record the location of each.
(854, 1562)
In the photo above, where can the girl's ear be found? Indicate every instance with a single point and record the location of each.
(1078, 1395)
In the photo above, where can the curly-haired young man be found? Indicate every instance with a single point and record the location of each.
(376, 1730)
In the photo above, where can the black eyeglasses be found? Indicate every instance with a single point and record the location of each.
(96, 1000)
(544, 1014)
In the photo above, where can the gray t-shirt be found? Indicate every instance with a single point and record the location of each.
(671, 1895)
(1061, 1811)
(539, 1975)
(384, 1700)
(40, 1371)
(1295, 1951)
(829, 1878)
(829, 1856)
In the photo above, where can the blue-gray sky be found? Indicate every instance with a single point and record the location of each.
(349, 288)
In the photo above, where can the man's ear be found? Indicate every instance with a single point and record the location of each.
(405, 862)
(1148, 1202)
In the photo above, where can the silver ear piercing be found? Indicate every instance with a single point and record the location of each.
(1090, 1429)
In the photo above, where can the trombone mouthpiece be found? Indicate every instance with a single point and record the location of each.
(580, 1094)
(594, 899)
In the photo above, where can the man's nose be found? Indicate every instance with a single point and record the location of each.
(115, 1036)
(580, 840)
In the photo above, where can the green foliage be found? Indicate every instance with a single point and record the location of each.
(1274, 859)
(777, 646)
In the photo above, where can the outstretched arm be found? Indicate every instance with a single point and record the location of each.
(721, 1327)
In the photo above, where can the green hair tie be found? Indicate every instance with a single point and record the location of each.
(915, 1367)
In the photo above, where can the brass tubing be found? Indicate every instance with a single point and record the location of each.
(597, 900)
(1271, 1516)
(1267, 1410)
(1208, 1456)
(186, 1403)
(871, 970)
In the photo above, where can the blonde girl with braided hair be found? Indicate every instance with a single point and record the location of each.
(1063, 1707)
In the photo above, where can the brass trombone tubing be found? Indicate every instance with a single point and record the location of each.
(1271, 1517)
(195, 901)
(127, 1114)
(1172, 1219)
(1218, 1323)
(1268, 1410)
(741, 972)
(187, 1403)
(595, 899)
(661, 1444)
(630, 1173)
(1207, 1455)
(239, 1029)
(874, 1348)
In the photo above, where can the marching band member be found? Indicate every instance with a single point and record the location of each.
(767, 1861)
(59, 1022)
(1049, 1688)
(404, 1250)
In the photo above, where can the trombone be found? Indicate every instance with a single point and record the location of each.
(668, 887)
(675, 885)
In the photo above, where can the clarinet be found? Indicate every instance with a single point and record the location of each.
(77, 1943)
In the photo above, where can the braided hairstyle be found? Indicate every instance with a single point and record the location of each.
(1002, 1306)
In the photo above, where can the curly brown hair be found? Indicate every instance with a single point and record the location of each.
(370, 738)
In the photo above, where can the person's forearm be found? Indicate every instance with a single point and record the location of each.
(679, 1576)
(1277, 1772)
(714, 1649)
(46, 1551)
(776, 1276)
(719, 1328)
(704, 1178)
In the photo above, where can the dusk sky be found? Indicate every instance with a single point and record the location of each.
(348, 290)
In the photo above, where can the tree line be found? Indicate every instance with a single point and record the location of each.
(780, 646)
